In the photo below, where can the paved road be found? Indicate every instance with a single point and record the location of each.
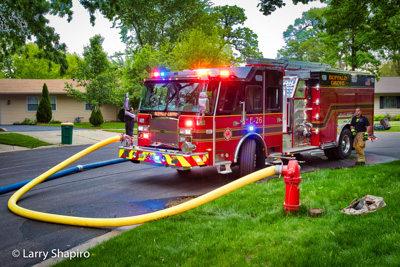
(32, 128)
(118, 190)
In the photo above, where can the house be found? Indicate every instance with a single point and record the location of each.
(387, 96)
(19, 99)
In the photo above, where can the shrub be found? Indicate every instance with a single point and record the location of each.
(27, 121)
(388, 116)
(55, 122)
(397, 117)
(44, 113)
(96, 118)
(121, 115)
(378, 117)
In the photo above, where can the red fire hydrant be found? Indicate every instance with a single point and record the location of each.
(292, 179)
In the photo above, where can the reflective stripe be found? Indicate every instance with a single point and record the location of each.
(183, 162)
(180, 161)
(198, 160)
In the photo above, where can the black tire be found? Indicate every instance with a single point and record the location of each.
(343, 150)
(247, 157)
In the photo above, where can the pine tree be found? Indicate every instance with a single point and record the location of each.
(96, 118)
(44, 113)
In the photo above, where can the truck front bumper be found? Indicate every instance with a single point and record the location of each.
(165, 157)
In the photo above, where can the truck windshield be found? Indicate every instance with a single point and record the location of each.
(172, 96)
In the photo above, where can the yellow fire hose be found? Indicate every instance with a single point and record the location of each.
(114, 222)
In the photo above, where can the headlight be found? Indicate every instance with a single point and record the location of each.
(185, 131)
(143, 128)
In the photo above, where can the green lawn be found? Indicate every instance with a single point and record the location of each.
(395, 126)
(249, 227)
(15, 139)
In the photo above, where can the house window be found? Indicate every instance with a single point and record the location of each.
(88, 107)
(53, 102)
(32, 103)
(389, 102)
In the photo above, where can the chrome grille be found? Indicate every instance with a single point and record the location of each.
(164, 131)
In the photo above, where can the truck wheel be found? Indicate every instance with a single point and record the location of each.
(247, 157)
(343, 150)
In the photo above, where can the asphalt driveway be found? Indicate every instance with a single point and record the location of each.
(31, 128)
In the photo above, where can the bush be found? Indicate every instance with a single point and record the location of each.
(379, 117)
(388, 116)
(55, 122)
(27, 121)
(121, 115)
(44, 113)
(397, 117)
(96, 118)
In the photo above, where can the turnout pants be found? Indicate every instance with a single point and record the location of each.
(359, 144)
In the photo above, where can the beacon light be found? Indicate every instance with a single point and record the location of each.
(224, 73)
(189, 123)
(202, 72)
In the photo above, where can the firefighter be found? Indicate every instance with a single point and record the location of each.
(129, 121)
(360, 129)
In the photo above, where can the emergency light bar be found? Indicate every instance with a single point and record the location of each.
(192, 74)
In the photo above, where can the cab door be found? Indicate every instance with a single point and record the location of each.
(273, 120)
(227, 121)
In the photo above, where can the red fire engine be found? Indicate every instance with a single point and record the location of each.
(244, 115)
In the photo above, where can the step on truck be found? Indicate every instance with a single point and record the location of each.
(247, 116)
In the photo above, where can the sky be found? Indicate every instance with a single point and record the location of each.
(269, 29)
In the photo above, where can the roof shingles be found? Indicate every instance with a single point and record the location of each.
(35, 86)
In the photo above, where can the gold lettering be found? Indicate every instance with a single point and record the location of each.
(337, 78)
(337, 82)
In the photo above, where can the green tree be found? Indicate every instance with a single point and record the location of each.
(269, 6)
(304, 39)
(138, 66)
(28, 63)
(390, 69)
(347, 22)
(243, 39)
(153, 22)
(198, 49)
(44, 112)
(97, 76)
(96, 118)
(384, 29)
(195, 49)
(24, 19)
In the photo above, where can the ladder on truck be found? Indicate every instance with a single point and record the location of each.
(287, 64)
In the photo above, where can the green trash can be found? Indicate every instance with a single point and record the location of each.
(66, 133)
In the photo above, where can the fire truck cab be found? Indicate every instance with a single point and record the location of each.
(244, 115)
